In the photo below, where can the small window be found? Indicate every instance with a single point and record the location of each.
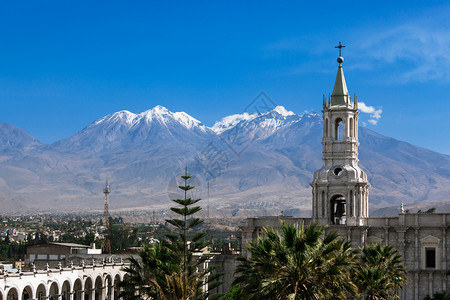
(430, 257)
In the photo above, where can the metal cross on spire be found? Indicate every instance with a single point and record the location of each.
(340, 47)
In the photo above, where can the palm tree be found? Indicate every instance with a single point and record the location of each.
(147, 274)
(380, 272)
(179, 286)
(298, 264)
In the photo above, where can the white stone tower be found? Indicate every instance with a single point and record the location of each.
(340, 188)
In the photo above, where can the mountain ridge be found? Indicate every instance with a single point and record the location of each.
(255, 163)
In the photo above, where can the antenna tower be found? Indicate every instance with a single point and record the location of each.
(106, 242)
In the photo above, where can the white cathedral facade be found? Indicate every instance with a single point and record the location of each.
(340, 199)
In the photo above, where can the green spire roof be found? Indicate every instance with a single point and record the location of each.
(340, 92)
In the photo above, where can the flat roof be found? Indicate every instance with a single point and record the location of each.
(73, 245)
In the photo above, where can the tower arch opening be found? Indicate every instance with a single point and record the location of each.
(339, 129)
(352, 133)
(338, 210)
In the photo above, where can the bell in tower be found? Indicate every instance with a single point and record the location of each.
(340, 188)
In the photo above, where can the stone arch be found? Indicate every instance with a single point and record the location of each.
(13, 294)
(77, 289)
(338, 129)
(108, 284)
(116, 286)
(98, 288)
(27, 293)
(326, 128)
(53, 292)
(88, 289)
(65, 290)
(338, 209)
(41, 292)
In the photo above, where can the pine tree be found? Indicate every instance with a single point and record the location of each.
(189, 241)
(169, 269)
(185, 225)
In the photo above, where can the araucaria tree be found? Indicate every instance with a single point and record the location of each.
(189, 242)
(380, 272)
(174, 268)
(297, 264)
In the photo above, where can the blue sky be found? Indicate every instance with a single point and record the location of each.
(65, 64)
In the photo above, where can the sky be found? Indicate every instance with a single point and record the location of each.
(64, 64)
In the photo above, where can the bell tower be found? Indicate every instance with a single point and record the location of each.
(340, 189)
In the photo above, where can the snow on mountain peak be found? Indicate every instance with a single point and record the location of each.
(123, 116)
(282, 111)
(186, 120)
(230, 121)
(160, 110)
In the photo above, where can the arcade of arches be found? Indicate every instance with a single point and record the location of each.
(89, 283)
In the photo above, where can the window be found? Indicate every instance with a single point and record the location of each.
(430, 257)
(430, 253)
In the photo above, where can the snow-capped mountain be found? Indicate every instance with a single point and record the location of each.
(255, 164)
(270, 121)
(124, 129)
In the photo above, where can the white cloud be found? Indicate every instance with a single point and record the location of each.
(375, 114)
(418, 50)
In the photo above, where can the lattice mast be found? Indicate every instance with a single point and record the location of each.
(106, 242)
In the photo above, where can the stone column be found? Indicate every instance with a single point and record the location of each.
(103, 292)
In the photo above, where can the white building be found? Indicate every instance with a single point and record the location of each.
(89, 282)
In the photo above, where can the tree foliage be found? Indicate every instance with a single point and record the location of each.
(173, 268)
(380, 272)
(297, 264)
(304, 263)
